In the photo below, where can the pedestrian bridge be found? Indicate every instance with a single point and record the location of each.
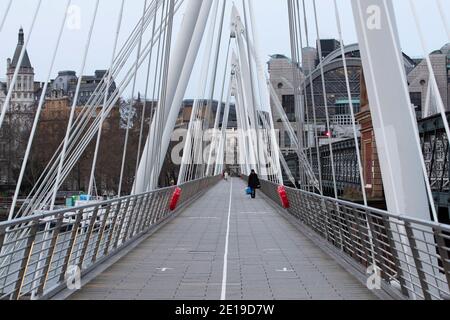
(265, 257)
(220, 244)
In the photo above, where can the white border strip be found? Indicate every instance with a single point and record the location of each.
(225, 258)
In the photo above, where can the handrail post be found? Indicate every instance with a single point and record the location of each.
(361, 234)
(71, 245)
(147, 213)
(130, 219)
(25, 260)
(112, 228)
(122, 222)
(351, 234)
(397, 263)
(101, 234)
(51, 251)
(142, 215)
(445, 255)
(416, 256)
(323, 210)
(138, 215)
(88, 238)
(158, 208)
(378, 252)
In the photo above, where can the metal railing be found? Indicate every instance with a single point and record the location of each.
(409, 256)
(38, 252)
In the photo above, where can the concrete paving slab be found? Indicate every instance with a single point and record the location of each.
(268, 258)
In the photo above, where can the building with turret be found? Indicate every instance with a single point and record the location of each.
(20, 112)
(23, 95)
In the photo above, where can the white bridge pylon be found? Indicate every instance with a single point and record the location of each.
(245, 84)
(257, 143)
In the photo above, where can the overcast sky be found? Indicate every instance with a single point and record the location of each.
(271, 18)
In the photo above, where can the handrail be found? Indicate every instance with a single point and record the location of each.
(6, 224)
(406, 253)
(431, 224)
(41, 254)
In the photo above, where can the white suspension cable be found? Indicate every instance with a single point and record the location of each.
(41, 183)
(288, 127)
(163, 95)
(94, 101)
(99, 135)
(221, 149)
(159, 113)
(443, 16)
(119, 63)
(154, 108)
(225, 116)
(74, 104)
(247, 131)
(36, 120)
(412, 116)
(162, 89)
(37, 116)
(264, 96)
(325, 99)
(144, 107)
(313, 105)
(292, 10)
(5, 15)
(303, 90)
(352, 110)
(127, 132)
(213, 87)
(208, 54)
(252, 86)
(282, 159)
(243, 148)
(41, 197)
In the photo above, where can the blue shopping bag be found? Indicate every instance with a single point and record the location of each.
(248, 190)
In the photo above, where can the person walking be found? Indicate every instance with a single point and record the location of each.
(226, 175)
(253, 183)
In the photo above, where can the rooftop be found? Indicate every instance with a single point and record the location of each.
(26, 63)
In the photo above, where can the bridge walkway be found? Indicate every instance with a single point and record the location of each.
(266, 258)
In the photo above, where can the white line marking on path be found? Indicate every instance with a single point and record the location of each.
(225, 258)
(164, 269)
(203, 284)
(285, 270)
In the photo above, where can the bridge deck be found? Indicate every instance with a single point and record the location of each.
(268, 258)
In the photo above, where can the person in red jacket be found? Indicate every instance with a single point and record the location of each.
(253, 183)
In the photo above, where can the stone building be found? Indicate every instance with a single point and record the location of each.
(422, 94)
(65, 84)
(282, 74)
(19, 116)
(419, 89)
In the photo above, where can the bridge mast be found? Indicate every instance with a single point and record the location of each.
(181, 65)
(396, 134)
(390, 104)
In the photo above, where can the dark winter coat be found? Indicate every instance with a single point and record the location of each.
(253, 181)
